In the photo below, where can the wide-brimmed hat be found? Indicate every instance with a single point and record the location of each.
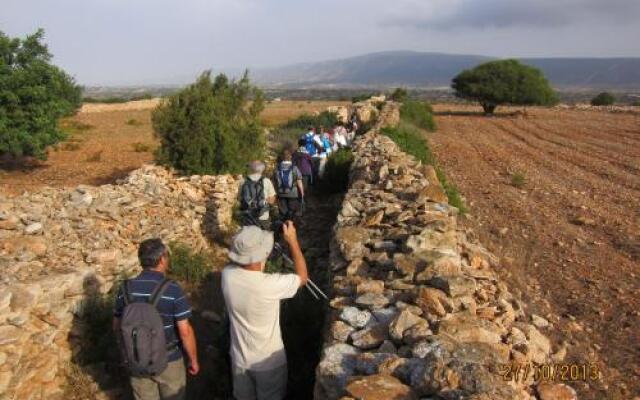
(251, 245)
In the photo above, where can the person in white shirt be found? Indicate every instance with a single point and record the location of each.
(339, 137)
(257, 193)
(252, 298)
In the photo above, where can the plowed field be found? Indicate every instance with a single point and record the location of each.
(556, 193)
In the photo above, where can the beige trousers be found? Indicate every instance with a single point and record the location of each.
(260, 385)
(169, 385)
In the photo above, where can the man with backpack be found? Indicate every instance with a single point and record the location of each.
(252, 299)
(290, 187)
(309, 141)
(151, 323)
(256, 195)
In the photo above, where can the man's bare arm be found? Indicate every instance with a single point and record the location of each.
(299, 263)
(188, 339)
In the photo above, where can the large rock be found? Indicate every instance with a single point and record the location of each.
(352, 242)
(372, 301)
(433, 301)
(356, 318)
(370, 338)
(454, 286)
(336, 366)
(401, 323)
(465, 328)
(556, 391)
(380, 387)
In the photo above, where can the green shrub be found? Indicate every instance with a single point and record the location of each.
(117, 99)
(73, 126)
(418, 113)
(336, 172)
(504, 82)
(189, 266)
(603, 99)
(636, 103)
(400, 95)
(134, 122)
(139, 147)
(34, 95)
(411, 140)
(518, 179)
(97, 315)
(210, 127)
(362, 97)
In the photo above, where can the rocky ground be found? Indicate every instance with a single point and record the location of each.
(569, 233)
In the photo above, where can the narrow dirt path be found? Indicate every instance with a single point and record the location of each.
(577, 164)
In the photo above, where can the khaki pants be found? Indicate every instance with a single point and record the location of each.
(169, 385)
(260, 385)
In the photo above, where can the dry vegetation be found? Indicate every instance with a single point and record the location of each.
(557, 193)
(108, 140)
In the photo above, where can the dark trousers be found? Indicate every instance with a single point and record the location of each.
(289, 207)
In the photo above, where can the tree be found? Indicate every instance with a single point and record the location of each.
(400, 95)
(603, 99)
(34, 95)
(504, 82)
(210, 127)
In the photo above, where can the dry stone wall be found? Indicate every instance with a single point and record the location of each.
(58, 246)
(417, 310)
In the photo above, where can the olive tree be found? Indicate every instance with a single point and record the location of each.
(34, 95)
(504, 82)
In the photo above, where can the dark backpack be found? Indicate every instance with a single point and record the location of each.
(143, 342)
(286, 178)
(252, 199)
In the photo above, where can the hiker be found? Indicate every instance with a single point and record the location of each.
(309, 141)
(339, 137)
(151, 322)
(252, 298)
(289, 186)
(256, 195)
(304, 162)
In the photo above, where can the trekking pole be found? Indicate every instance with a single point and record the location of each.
(312, 287)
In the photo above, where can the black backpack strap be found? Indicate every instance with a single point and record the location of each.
(125, 292)
(159, 290)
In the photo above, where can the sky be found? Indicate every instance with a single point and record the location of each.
(126, 42)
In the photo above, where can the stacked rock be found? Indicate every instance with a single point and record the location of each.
(417, 311)
(57, 246)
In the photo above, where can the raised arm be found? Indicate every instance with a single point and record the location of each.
(299, 264)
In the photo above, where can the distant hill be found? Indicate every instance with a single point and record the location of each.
(408, 68)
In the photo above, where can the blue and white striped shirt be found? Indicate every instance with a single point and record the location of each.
(173, 306)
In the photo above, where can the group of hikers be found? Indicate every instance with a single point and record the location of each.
(151, 316)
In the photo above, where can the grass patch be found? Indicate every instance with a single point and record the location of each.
(418, 113)
(139, 147)
(75, 126)
(95, 157)
(336, 172)
(189, 266)
(518, 179)
(411, 140)
(134, 122)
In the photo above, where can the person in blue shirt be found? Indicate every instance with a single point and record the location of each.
(175, 311)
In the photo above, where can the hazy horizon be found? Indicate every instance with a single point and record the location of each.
(118, 42)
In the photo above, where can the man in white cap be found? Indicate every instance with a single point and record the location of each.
(252, 298)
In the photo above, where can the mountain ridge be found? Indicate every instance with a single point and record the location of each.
(434, 69)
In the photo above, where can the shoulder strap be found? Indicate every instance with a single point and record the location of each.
(159, 290)
(125, 292)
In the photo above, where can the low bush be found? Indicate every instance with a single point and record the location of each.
(189, 266)
(74, 126)
(603, 99)
(418, 113)
(97, 316)
(636, 103)
(134, 122)
(400, 95)
(518, 179)
(411, 140)
(336, 172)
(141, 147)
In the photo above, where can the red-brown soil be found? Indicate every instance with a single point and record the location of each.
(570, 236)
